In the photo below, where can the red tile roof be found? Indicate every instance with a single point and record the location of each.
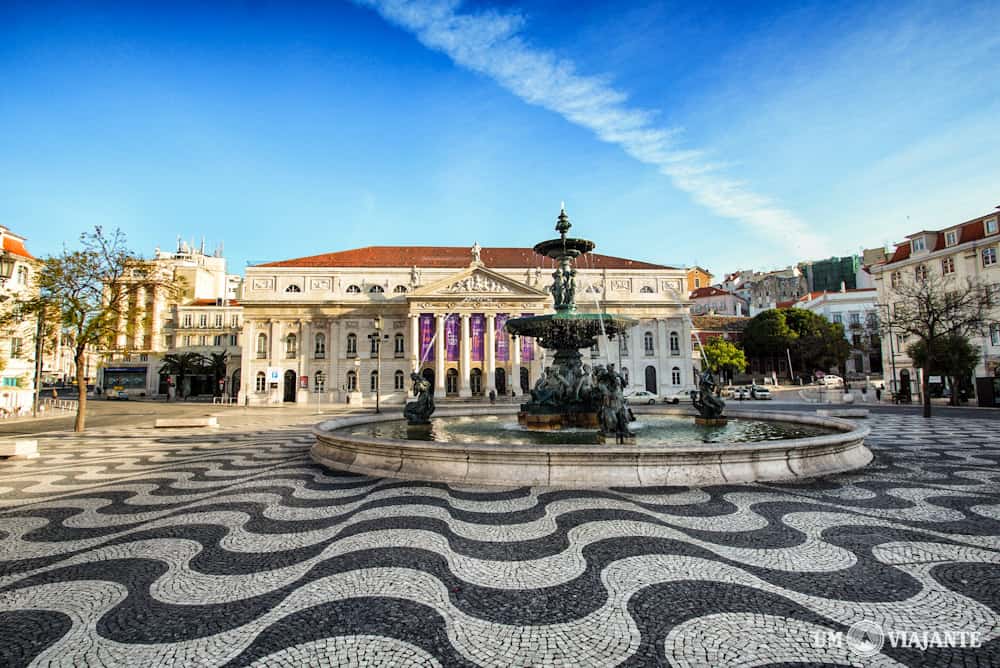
(709, 291)
(970, 230)
(454, 257)
(16, 246)
(212, 302)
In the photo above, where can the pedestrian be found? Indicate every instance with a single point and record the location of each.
(864, 393)
(493, 396)
(55, 394)
(878, 394)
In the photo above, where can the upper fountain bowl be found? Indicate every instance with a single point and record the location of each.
(564, 247)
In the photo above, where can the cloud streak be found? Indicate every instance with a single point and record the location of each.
(489, 43)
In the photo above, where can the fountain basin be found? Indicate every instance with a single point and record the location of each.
(589, 464)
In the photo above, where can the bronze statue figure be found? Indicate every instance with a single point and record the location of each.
(420, 410)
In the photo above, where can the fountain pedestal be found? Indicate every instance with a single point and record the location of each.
(711, 422)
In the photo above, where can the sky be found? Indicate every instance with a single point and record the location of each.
(728, 135)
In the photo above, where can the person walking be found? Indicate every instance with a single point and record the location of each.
(878, 394)
(493, 396)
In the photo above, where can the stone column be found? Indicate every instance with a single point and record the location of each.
(662, 355)
(415, 341)
(515, 367)
(439, 356)
(465, 353)
(248, 374)
(636, 367)
(491, 353)
(305, 352)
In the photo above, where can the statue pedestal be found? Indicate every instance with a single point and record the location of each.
(555, 421)
(711, 422)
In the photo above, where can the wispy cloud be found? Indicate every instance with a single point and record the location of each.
(490, 43)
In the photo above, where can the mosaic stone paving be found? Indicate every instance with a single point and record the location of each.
(137, 548)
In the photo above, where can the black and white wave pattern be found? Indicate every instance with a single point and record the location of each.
(234, 549)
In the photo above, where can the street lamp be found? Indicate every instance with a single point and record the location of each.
(376, 339)
(7, 261)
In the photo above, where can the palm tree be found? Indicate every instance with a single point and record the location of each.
(215, 365)
(182, 365)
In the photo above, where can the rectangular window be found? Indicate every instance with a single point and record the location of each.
(218, 320)
(838, 318)
(920, 273)
(948, 265)
(16, 345)
(918, 245)
(235, 322)
(990, 225)
(217, 340)
(203, 320)
(855, 318)
(989, 256)
(187, 339)
(204, 339)
(143, 357)
(187, 319)
(951, 237)
(995, 334)
(233, 340)
(895, 279)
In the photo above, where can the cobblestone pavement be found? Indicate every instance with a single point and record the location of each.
(136, 547)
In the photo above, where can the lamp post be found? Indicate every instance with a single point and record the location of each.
(6, 266)
(376, 339)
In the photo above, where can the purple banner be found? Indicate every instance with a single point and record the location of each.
(527, 344)
(477, 331)
(426, 337)
(451, 329)
(503, 350)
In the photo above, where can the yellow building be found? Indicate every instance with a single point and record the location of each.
(698, 278)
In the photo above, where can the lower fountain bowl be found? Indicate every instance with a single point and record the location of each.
(590, 464)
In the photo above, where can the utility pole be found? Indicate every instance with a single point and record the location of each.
(39, 348)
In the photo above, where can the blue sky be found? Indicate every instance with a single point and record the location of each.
(730, 135)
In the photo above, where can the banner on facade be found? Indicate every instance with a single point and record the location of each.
(451, 333)
(500, 334)
(527, 344)
(477, 326)
(426, 337)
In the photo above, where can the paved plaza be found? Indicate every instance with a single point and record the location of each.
(129, 546)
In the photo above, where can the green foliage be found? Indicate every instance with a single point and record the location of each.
(810, 338)
(950, 356)
(724, 356)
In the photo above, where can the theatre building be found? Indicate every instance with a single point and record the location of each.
(320, 328)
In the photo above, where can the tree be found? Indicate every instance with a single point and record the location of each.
(935, 309)
(84, 291)
(952, 356)
(724, 356)
(183, 365)
(810, 338)
(216, 366)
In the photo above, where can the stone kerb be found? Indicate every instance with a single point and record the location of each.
(587, 465)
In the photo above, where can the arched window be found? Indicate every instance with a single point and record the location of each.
(623, 346)
(675, 376)
(352, 345)
(261, 381)
(400, 345)
(374, 381)
(291, 346)
(647, 343)
(376, 289)
(398, 380)
(353, 290)
(451, 382)
(261, 346)
(399, 289)
(293, 288)
(476, 381)
(320, 350)
(675, 343)
(319, 381)
(352, 381)
(646, 290)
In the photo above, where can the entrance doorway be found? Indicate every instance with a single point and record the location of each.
(476, 381)
(651, 379)
(289, 386)
(525, 380)
(451, 382)
(234, 386)
(428, 375)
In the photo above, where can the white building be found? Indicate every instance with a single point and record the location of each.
(964, 251)
(857, 311)
(308, 322)
(714, 300)
(17, 340)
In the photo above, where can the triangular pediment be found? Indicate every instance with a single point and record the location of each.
(476, 281)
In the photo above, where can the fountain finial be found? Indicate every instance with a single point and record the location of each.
(562, 223)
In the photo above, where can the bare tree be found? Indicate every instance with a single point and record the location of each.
(82, 293)
(934, 308)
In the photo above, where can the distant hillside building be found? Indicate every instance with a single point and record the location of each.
(834, 273)
(717, 301)
(698, 278)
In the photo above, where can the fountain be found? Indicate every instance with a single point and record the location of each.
(569, 394)
(559, 436)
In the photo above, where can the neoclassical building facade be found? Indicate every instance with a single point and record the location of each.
(336, 326)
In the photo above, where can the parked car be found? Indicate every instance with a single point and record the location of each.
(830, 380)
(677, 396)
(741, 393)
(760, 392)
(643, 397)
